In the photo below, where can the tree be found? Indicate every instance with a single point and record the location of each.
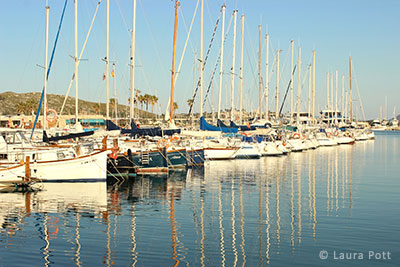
(153, 101)
(147, 99)
(176, 106)
(96, 108)
(21, 107)
(27, 107)
(112, 103)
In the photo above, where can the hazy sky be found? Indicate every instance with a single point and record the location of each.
(366, 30)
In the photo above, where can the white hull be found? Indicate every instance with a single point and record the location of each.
(326, 142)
(345, 140)
(371, 135)
(91, 167)
(271, 149)
(361, 137)
(219, 153)
(285, 148)
(297, 145)
(11, 174)
(247, 151)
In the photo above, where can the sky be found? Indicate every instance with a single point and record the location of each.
(368, 31)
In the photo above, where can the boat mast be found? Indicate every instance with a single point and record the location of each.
(222, 60)
(201, 57)
(291, 83)
(115, 93)
(241, 71)
(133, 42)
(108, 62)
(331, 91)
(327, 90)
(298, 85)
(342, 98)
(260, 83)
(171, 105)
(45, 66)
(277, 86)
(313, 88)
(233, 67)
(351, 94)
(309, 92)
(76, 62)
(266, 93)
(336, 98)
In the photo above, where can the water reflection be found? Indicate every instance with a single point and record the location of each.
(231, 213)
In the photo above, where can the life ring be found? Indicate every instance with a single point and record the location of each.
(284, 143)
(162, 143)
(329, 135)
(296, 136)
(51, 118)
(245, 134)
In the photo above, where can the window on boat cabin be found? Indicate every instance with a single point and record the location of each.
(3, 156)
(60, 155)
(19, 156)
(36, 156)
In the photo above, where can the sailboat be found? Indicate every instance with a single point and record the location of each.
(55, 163)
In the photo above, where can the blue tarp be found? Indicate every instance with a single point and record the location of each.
(208, 127)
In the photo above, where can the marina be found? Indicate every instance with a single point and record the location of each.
(257, 146)
(268, 211)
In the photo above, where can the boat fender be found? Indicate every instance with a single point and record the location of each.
(114, 154)
(162, 143)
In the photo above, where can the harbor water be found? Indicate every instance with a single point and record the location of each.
(333, 206)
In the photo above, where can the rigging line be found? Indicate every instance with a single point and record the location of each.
(187, 39)
(49, 68)
(287, 90)
(123, 17)
(80, 57)
(226, 35)
(305, 76)
(186, 28)
(205, 59)
(28, 59)
(255, 79)
(153, 37)
(216, 65)
(358, 92)
(211, 79)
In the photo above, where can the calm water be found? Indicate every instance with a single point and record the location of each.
(275, 211)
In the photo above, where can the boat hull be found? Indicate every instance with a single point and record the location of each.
(195, 157)
(86, 168)
(219, 153)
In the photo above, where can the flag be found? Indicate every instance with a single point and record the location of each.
(112, 73)
(104, 76)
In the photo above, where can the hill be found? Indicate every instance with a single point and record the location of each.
(25, 103)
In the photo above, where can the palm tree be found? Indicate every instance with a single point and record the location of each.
(21, 107)
(147, 98)
(96, 108)
(112, 103)
(175, 106)
(153, 102)
(140, 99)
